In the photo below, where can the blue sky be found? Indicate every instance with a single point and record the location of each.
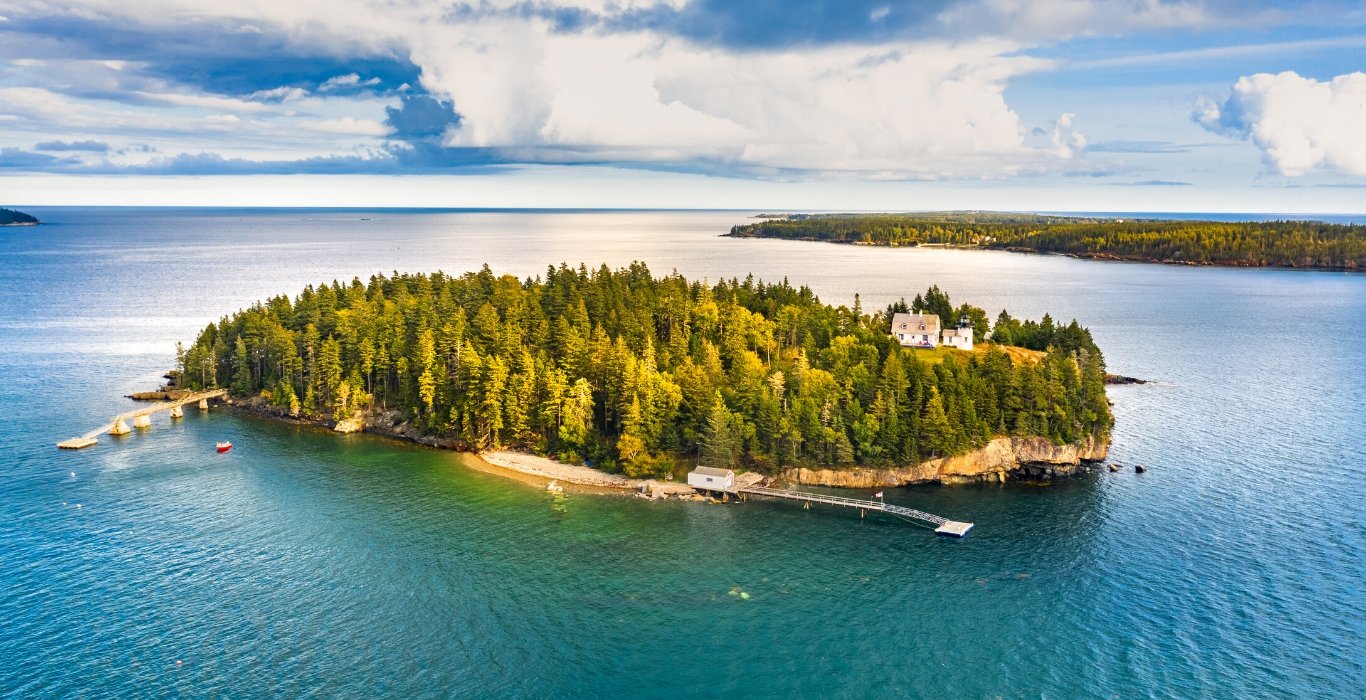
(1137, 105)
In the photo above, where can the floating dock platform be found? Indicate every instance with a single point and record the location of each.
(953, 528)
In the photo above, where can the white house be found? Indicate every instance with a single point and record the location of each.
(712, 479)
(916, 330)
(960, 337)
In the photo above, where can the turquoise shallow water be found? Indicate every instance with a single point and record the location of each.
(304, 564)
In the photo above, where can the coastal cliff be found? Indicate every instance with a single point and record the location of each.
(1001, 459)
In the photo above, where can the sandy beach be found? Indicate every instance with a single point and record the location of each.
(550, 469)
(545, 468)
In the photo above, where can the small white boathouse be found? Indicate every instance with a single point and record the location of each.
(712, 479)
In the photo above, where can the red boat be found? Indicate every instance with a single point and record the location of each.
(224, 447)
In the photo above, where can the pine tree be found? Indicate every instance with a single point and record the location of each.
(241, 368)
(721, 441)
(329, 373)
(936, 435)
(576, 415)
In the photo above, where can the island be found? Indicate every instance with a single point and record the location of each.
(10, 217)
(1299, 244)
(643, 376)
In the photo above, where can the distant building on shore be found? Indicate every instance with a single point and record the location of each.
(922, 331)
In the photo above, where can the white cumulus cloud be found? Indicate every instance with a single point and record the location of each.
(1066, 141)
(923, 110)
(283, 93)
(1300, 124)
(531, 90)
(349, 80)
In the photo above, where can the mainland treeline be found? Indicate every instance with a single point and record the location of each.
(1311, 244)
(10, 217)
(629, 371)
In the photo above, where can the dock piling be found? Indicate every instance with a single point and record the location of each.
(142, 418)
(943, 526)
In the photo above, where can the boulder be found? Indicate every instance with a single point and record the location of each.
(354, 424)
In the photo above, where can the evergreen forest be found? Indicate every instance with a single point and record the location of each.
(636, 373)
(1309, 244)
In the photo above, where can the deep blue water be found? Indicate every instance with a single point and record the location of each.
(304, 564)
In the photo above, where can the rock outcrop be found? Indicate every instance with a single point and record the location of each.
(1001, 459)
(354, 424)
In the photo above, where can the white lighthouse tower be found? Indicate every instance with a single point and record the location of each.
(960, 337)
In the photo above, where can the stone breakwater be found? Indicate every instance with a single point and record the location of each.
(1001, 459)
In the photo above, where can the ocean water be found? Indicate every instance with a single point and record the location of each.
(305, 564)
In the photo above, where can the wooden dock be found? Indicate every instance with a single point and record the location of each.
(942, 526)
(140, 417)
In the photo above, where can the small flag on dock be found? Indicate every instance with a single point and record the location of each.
(877, 495)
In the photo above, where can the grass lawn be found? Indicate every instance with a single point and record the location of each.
(937, 355)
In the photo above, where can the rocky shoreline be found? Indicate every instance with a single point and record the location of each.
(391, 425)
(1000, 460)
(1121, 379)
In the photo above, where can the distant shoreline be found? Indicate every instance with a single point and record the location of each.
(1103, 257)
(1284, 244)
(14, 217)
